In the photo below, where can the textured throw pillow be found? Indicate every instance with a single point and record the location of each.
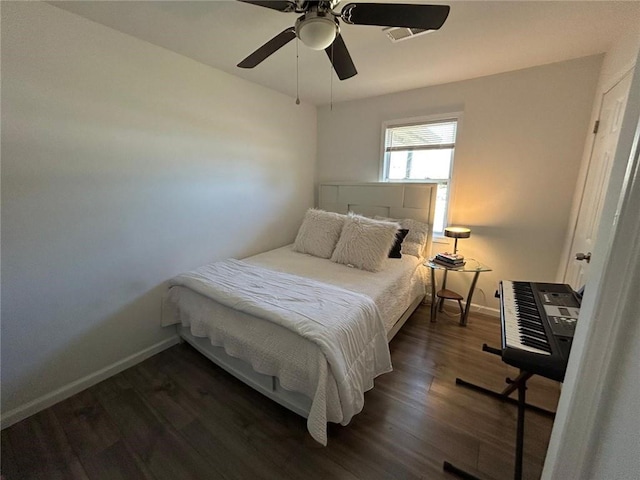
(364, 243)
(395, 251)
(417, 237)
(319, 233)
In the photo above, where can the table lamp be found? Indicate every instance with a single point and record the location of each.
(457, 232)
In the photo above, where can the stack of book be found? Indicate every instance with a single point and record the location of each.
(451, 260)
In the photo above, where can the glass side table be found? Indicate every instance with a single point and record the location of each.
(438, 298)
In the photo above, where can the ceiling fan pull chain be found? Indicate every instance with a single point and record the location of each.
(297, 76)
(331, 80)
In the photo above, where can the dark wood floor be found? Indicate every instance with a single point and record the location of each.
(177, 416)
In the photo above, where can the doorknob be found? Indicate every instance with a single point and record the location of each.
(584, 256)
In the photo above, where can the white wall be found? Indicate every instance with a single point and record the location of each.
(124, 164)
(516, 163)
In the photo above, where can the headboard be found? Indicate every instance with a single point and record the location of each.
(395, 200)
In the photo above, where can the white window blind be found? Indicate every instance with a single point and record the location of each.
(422, 137)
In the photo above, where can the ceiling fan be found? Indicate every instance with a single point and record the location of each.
(318, 26)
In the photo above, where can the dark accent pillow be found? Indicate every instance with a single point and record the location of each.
(397, 246)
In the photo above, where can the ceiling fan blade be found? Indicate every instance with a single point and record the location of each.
(281, 6)
(426, 17)
(339, 56)
(268, 48)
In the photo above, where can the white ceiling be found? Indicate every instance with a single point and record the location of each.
(479, 38)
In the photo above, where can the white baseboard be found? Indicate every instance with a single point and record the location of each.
(475, 308)
(34, 406)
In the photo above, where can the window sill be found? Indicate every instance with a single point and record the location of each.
(441, 239)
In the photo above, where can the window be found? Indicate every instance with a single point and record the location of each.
(418, 151)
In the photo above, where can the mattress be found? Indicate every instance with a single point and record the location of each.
(273, 350)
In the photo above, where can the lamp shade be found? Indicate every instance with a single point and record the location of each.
(457, 232)
(316, 31)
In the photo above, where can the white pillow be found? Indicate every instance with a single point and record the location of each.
(365, 243)
(417, 237)
(319, 233)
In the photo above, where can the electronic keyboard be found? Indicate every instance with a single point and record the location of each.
(538, 321)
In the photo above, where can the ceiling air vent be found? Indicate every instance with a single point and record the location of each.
(397, 34)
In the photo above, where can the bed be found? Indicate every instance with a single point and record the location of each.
(283, 364)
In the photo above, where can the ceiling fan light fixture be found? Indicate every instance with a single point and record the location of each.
(316, 31)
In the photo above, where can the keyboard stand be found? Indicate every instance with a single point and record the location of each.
(519, 384)
(508, 390)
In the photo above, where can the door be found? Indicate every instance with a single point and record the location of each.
(597, 179)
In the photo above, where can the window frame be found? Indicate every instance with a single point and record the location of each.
(405, 122)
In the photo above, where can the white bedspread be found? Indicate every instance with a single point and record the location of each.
(344, 324)
(393, 288)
